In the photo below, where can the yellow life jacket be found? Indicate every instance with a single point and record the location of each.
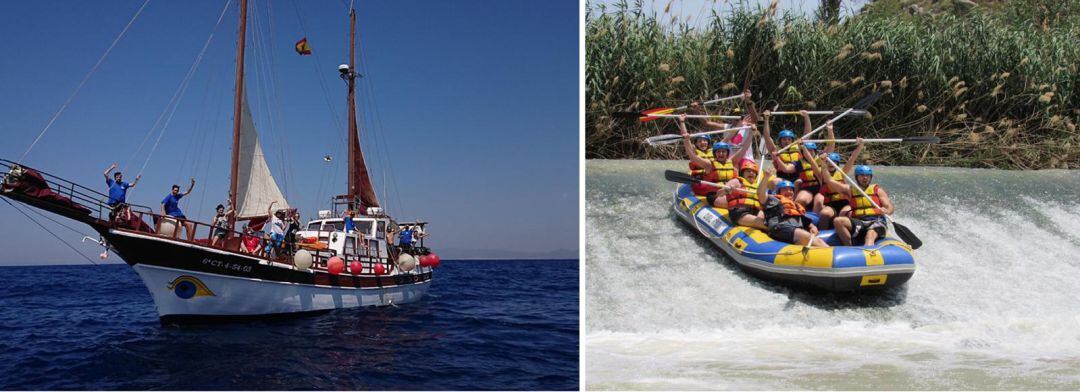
(704, 154)
(831, 195)
(807, 174)
(789, 155)
(724, 171)
(748, 198)
(696, 170)
(861, 206)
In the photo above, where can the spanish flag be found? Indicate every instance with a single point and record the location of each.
(302, 47)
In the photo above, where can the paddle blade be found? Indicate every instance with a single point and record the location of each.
(645, 114)
(922, 140)
(906, 235)
(680, 177)
(867, 101)
(660, 140)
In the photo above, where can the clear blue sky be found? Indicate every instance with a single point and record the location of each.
(477, 110)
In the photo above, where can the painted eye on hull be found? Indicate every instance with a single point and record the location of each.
(188, 287)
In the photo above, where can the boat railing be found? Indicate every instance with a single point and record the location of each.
(202, 234)
(94, 201)
(142, 220)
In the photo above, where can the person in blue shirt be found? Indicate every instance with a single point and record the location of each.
(170, 207)
(405, 238)
(117, 187)
(350, 226)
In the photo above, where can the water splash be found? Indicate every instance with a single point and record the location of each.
(992, 305)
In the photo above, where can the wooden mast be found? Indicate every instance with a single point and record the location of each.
(353, 136)
(238, 102)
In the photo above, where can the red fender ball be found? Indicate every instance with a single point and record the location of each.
(380, 269)
(434, 260)
(355, 267)
(335, 265)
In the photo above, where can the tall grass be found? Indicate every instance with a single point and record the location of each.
(1000, 88)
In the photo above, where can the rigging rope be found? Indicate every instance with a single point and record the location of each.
(49, 231)
(84, 80)
(389, 168)
(178, 95)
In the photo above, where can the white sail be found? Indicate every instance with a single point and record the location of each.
(255, 188)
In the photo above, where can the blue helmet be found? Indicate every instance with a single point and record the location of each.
(835, 157)
(721, 146)
(863, 170)
(787, 133)
(810, 145)
(702, 137)
(785, 184)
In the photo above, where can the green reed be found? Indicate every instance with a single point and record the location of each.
(999, 87)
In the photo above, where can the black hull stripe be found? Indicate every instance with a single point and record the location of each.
(201, 319)
(168, 254)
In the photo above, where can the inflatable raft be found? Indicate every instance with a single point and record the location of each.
(888, 263)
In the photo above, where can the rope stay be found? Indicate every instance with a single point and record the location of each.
(50, 231)
(174, 102)
(83, 81)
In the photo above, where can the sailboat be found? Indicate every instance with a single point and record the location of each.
(323, 267)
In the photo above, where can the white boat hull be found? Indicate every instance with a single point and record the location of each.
(185, 293)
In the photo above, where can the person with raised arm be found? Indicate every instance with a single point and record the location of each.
(117, 189)
(277, 231)
(807, 183)
(170, 206)
(866, 223)
(786, 154)
(829, 202)
(717, 170)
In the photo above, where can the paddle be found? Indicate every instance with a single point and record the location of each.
(660, 140)
(908, 140)
(683, 178)
(901, 230)
(650, 116)
(643, 115)
(862, 104)
(819, 112)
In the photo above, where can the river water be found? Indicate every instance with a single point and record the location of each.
(994, 303)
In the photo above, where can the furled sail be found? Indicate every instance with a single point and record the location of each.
(360, 179)
(255, 187)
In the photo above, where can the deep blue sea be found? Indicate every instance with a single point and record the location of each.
(483, 325)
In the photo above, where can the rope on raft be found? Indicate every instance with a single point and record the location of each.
(788, 253)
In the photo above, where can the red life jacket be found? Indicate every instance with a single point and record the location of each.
(791, 208)
(829, 193)
(723, 173)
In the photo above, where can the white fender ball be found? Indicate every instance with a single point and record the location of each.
(302, 259)
(406, 262)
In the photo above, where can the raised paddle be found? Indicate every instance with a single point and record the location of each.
(643, 115)
(862, 104)
(901, 230)
(683, 178)
(652, 116)
(907, 140)
(660, 140)
(821, 112)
